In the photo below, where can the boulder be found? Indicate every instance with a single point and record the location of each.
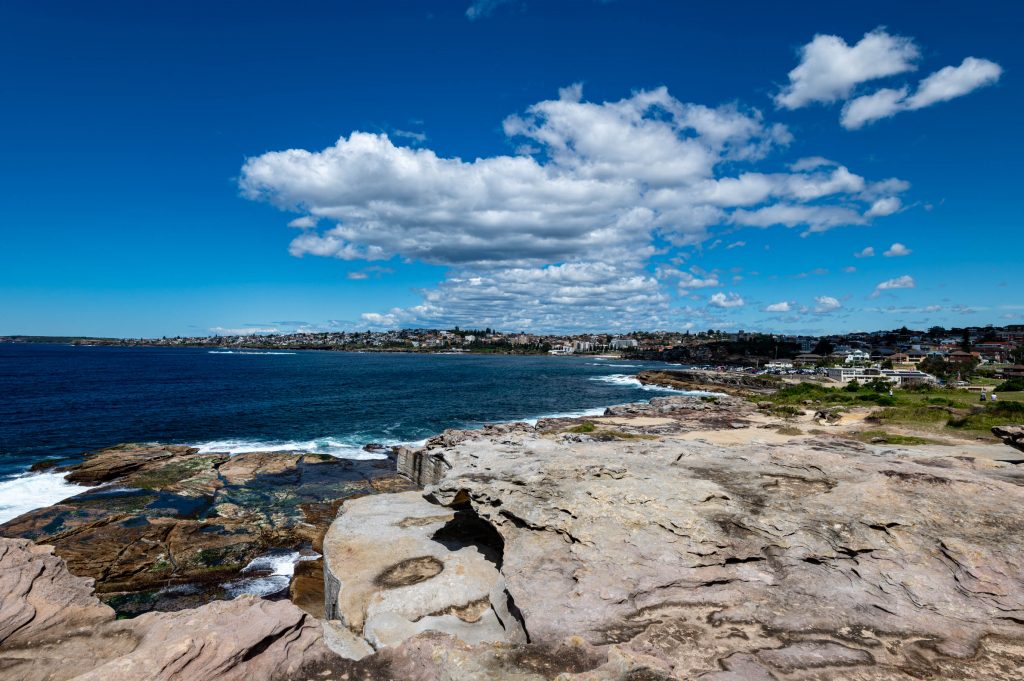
(1011, 435)
(439, 573)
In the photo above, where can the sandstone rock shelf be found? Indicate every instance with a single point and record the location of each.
(637, 552)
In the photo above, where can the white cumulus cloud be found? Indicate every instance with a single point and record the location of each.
(784, 306)
(866, 252)
(825, 304)
(687, 280)
(954, 81)
(599, 185)
(897, 250)
(906, 281)
(726, 300)
(829, 69)
(883, 207)
(943, 85)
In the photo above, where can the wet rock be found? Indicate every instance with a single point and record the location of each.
(45, 465)
(116, 462)
(307, 587)
(168, 515)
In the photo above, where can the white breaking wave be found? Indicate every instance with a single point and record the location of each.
(325, 445)
(595, 411)
(634, 382)
(246, 352)
(280, 567)
(30, 491)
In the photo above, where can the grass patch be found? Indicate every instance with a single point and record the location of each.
(590, 428)
(927, 414)
(852, 393)
(786, 411)
(609, 435)
(789, 430)
(999, 414)
(882, 437)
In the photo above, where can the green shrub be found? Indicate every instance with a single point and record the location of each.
(1011, 385)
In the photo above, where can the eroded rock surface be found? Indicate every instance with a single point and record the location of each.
(52, 628)
(439, 572)
(659, 558)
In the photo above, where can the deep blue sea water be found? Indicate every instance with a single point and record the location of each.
(62, 400)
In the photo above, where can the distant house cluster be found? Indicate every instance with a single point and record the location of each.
(901, 356)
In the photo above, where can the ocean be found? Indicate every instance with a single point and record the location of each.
(59, 401)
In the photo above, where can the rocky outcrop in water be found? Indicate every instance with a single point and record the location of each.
(165, 516)
(657, 557)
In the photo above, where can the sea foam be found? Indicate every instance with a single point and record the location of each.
(325, 445)
(246, 352)
(277, 569)
(30, 491)
(596, 411)
(628, 381)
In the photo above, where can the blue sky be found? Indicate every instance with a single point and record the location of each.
(560, 165)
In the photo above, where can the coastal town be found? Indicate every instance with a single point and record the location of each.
(900, 356)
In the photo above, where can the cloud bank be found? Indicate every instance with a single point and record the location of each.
(561, 236)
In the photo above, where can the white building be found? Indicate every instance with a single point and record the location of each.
(866, 374)
(623, 343)
(854, 356)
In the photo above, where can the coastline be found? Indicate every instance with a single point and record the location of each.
(49, 501)
(281, 350)
(43, 488)
(576, 544)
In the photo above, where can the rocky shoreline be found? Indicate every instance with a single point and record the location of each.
(732, 383)
(165, 527)
(678, 539)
